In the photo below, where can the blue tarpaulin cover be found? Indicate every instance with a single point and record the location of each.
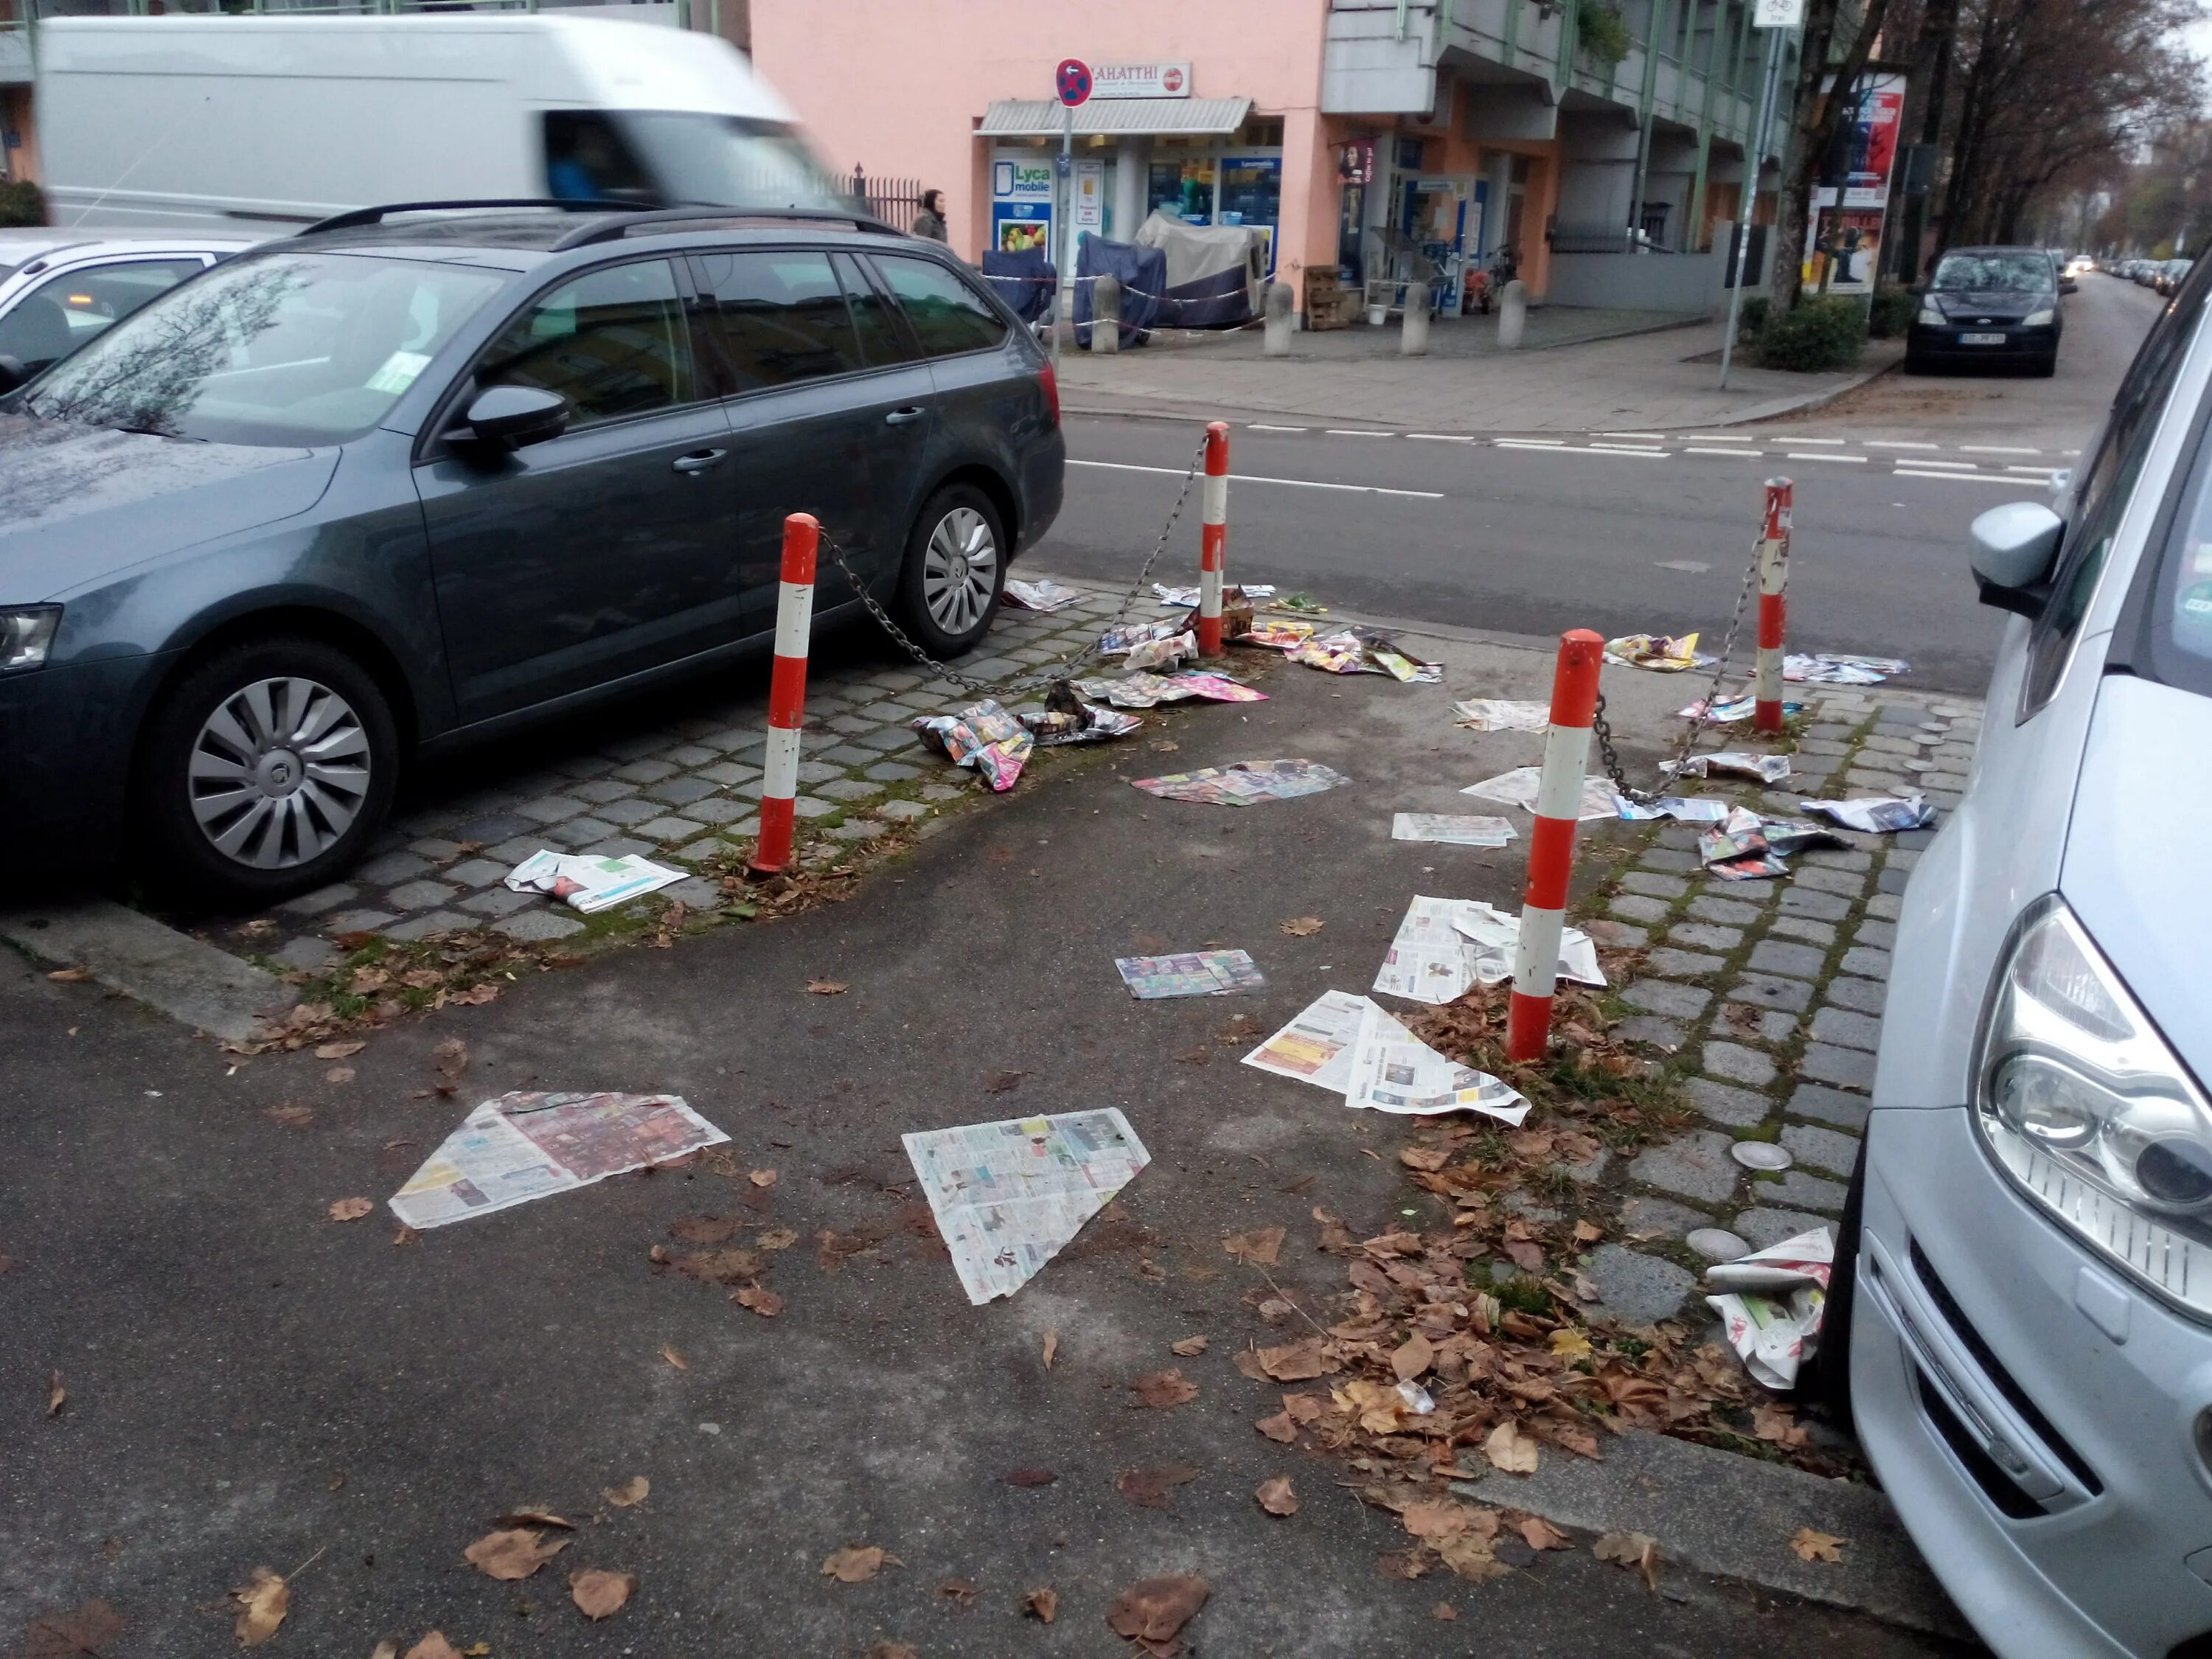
(1023, 280)
(1142, 273)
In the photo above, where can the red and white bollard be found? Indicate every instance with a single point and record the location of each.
(786, 698)
(1773, 606)
(1552, 845)
(1212, 538)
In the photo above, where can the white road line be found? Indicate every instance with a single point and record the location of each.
(1898, 443)
(1958, 478)
(1441, 437)
(1821, 440)
(1356, 432)
(1816, 455)
(1748, 454)
(1617, 449)
(1261, 426)
(2036, 471)
(1531, 443)
(1995, 449)
(1948, 466)
(1250, 478)
(1628, 449)
(1659, 436)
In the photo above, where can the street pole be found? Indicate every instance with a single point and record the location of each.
(1753, 166)
(1063, 306)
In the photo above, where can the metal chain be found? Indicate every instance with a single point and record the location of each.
(1695, 723)
(1050, 673)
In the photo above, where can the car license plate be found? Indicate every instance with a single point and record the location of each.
(1981, 339)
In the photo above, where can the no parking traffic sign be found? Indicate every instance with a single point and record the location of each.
(1072, 80)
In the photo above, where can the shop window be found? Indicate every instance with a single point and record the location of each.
(1183, 189)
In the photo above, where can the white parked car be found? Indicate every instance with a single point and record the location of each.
(2029, 1324)
(59, 287)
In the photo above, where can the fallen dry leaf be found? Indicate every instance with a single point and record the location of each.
(1153, 1611)
(477, 996)
(762, 1177)
(1443, 1611)
(338, 1074)
(1042, 1605)
(1303, 927)
(56, 1395)
(1816, 1545)
(669, 1354)
(890, 1650)
(1412, 1357)
(1190, 1347)
(1276, 1497)
(262, 1605)
(1031, 1477)
(1281, 1427)
(1148, 1488)
(635, 1490)
(826, 988)
(1770, 1421)
(293, 1117)
(350, 1209)
(387, 1649)
(1294, 1362)
(1164, 1390)
(514, 1553)
(856, 1566)
(600, 1594)
(1639, 1550)
(1538, 1534)
(1435, 1519)
(529, 1516)
(1509, 1451)
(705, 1228)
(70, 976)
(433, 1646)
(760, 1299)
(1586, 1232)
(85, 1630)
(1051, 1347)
(340, 1050)
(1427, 1159)
(998, 1082)
(1570, 1345)
(777, 1238)
(961, 1592)
(1260, 1247)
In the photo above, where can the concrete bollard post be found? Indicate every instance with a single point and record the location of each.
(1552, 845)
(1512, 315)
(1105, 314)
(786, 699)
(1212, 537)
(1773, 605)
(1281, 321)
(1414, 337)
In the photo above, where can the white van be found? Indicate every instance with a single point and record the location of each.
(275, 120)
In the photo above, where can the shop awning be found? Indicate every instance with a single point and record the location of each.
(1039, 118)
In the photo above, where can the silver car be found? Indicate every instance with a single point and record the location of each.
(2029, 1324)
(59, 287)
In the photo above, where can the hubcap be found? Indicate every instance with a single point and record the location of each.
(959, 570)
(278, 772)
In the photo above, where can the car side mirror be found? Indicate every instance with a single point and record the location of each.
(2014, 548)
(12, 374)
(510, 416)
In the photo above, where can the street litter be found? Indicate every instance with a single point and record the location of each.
(1315, 1047)
(522, 1147)
(1495, 714)
(1184, 598)
(1149, 690)
(587, 883)
(1669, 655)
(1277, 635)
(1444, 945)
(1839, 668)
(1244, 782)
(982, 735)
(1116, 642)
(1170, 652)
(1771, 1302)
(1875, 815)
(1394, 1071)
(1365, 651)
(1193, 973)
(1304, 604)
(1675, 807)
(1761, 1155)
(1518, 788)
(1729, 710)
(1453, 831)
(1050, 726)
(1009, 1196)
(1039, 596)
(1766, 768)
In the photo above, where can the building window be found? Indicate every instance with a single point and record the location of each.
(1183, 189)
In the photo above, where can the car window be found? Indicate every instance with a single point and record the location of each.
(782, 316)
(2012, 269)
(2107, 486)
(883, 338)
(64, 312)
(588, 160)
(613, 343)
(947, 315)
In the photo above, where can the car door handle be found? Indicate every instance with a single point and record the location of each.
(901, 417)
(700, 459)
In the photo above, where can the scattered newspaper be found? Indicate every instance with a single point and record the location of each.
(1453, 831)
(522, 1147)
(1668, 656)
(1875, 815)
(1445, 946)
(1518, 788)
(1771, 1303)
(1729, 710)
(1145, 690)
(1280, 636)
(1838, 668)
(1243, 783)
(1675, 807)
(1094, 725)
(1766, 769)
(1119, 641)
(1185, 598)
(983, 735)
(1364, 651)
(1008, 1197)
(1491, 715)
(589, 884)
(1040, 595)
(1315, 1047)
(1495, 936)
(1172, 651)
(1394, 1071)
(1193, 973)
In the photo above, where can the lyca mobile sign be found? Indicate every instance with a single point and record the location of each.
(1140, 81)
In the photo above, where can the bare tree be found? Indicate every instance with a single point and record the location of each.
(1839, 39)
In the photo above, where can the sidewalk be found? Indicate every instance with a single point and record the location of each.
(1642, 372)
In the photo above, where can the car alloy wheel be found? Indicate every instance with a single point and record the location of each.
(278, 772)
(959, 570)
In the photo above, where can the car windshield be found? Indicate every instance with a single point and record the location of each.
(2174, 644)
(2014, 270)
(279, 349)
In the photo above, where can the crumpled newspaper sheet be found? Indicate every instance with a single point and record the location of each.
(1193, 973)
(1351, 1047)
(1766, 769)
(1444, 945)
(1498, 714)
(1039, 595)
(1144, 690)
(1669, 654)
(1771, 1303)
(1243, 783)
(1840, 668)
(1875, 815)
(983, 735)
(1518, 788)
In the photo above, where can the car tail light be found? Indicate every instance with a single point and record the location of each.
(1049, 383)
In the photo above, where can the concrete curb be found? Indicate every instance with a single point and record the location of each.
(1718, 1512)
(184, 977)
(1813, 400)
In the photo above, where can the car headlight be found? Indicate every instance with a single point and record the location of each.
(2090, 1110)
(1930, 315)
(2043, 318)
(26, 636)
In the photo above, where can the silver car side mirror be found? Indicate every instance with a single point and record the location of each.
(2015, 546)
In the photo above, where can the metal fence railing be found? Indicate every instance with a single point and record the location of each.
(896, 201)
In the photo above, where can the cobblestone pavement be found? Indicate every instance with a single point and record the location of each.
(1772, 992)
(677, 789)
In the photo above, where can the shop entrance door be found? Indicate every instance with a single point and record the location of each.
(1442, 217)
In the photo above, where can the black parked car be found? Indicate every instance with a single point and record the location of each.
(1988, 305)
(412, 478)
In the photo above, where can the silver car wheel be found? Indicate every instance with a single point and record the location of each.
(279, 773)
(959, 570)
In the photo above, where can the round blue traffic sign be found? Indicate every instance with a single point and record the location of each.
(1072, 82)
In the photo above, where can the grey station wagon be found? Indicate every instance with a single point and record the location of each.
(413, 477)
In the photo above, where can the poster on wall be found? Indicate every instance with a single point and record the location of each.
(1021, 205)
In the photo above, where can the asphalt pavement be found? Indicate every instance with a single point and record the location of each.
(1634, 530)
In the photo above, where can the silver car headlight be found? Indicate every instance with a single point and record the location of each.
(2090, 1110)
(26, 636)
(1930, 315)
(2040, 318)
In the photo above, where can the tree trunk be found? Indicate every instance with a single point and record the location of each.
(1818, 115)
(1927, 94)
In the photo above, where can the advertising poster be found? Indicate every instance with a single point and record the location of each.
(1874, 126)
(1021, 204)
(1843, 249)
(1843, 236)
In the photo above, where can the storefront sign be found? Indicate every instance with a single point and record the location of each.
(1090, 210)
(1140, 81)
(1021, 204)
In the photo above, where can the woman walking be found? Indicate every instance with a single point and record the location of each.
(930, 222)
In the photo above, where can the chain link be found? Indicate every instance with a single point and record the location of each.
(1052, 673)
(1695, 723)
